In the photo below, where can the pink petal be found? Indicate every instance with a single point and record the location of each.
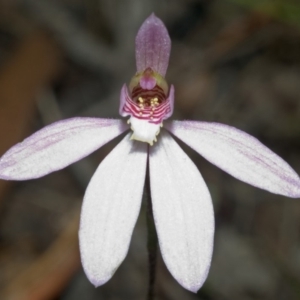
(240, 155)
(110, 209)
(170, 99)
(57, 146)
(123, 99)
(183, 213)
(152, 46)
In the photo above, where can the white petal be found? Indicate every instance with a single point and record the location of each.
(240, 155)
(56, 146)
(110, 209)
(183, 213)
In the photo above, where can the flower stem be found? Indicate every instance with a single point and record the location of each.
(151, 242)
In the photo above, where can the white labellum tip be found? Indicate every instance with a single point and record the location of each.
(144, 131)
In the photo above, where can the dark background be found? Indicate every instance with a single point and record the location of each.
(234, 62)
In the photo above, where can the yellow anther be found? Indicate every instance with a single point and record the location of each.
(141, 99)
(154, 101)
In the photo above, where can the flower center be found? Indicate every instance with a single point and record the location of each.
(148, 102)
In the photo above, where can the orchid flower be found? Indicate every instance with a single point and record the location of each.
(182, 206)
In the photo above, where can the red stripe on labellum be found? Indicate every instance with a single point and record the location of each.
(151, 105)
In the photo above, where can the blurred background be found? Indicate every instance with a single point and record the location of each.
(233, 61)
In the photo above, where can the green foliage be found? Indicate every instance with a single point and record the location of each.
(284, 10)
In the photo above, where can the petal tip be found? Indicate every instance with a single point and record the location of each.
(98, 282)
(194, 289)
(10, 173)
(194, 285)
(153, 19)
(295, 195)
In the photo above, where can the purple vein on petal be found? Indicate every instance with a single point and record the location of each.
(240, 155)
(57, 146)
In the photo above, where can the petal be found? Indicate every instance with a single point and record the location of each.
(57, 146)
(110, 209)
(170, 100)
(183, 213)
(152, 46)
(123, 100)
(240, 155)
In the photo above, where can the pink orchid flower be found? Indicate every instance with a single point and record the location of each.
(182, 205)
